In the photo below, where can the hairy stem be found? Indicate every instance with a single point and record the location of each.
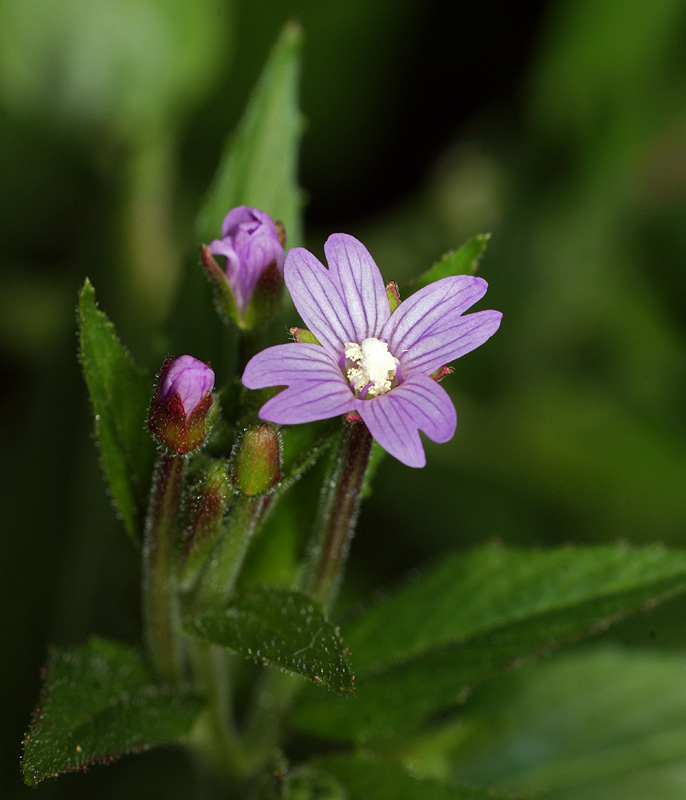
(337, 514)
(160, 597)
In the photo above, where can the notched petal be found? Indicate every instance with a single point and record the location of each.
(360, 283)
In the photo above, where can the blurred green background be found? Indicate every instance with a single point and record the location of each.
(558, 126)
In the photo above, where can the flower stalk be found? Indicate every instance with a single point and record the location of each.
(337, 514)
(216, 585)
(161, 612)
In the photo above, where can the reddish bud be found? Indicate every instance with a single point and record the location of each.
(184, 396)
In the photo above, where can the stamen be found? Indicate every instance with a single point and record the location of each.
(370, 368)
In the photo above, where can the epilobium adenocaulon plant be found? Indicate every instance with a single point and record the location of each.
(178, 416)
(367, 359)
(252, 280)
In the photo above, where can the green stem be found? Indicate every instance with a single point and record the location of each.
(337, 514)
(214, 737)
(216, 585)
(160, 597)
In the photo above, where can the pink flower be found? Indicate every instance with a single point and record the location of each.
(251, 242)
(368, 360)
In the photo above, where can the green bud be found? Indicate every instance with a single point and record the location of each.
(257, 460)
(207, 516)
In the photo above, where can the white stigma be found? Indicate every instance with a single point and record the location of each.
(370, 364)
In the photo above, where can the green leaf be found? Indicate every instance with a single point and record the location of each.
(421, 649)
(120, 396)
(259, 166)
(281, 627)
(99, 702)
(464, 261)
(364, 779)
(600, 723)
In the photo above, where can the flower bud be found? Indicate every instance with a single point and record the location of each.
(179, 414)
(207, 515)
(249, 288)
(257, 460)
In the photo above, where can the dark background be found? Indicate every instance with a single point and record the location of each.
(558, 126)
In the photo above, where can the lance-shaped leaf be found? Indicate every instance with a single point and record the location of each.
(464, 261)
(281, 627)
(421, 649)
(120, 396)
(364, 778)
(259, 166)
(99, 701)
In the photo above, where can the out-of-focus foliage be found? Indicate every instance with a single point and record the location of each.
(617, 730)
(572, 425)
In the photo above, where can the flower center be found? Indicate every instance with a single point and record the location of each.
(370, 368)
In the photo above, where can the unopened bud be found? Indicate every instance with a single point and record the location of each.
(179, 414)
(257, 464)
(207, 516)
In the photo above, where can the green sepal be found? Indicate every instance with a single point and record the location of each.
(303, 335)
(464, 261)
(393, 295)
(99, 701)
(223, 296)
(266, 298)
(120, 396)
(264, 302)
(277, 626)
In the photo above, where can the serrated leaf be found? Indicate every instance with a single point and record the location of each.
(600, 723)
(419, 650)
(99, 702)
(281, 627)
(259, 166)
(364, 778)
(120, 397)
(464, 261)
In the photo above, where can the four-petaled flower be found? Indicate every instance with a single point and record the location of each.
(251, 242)
(369, 360)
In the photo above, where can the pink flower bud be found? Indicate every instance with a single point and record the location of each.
(184, 396)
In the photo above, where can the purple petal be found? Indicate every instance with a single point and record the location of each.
(317, 388)
(223, 247)
(360, 284)
(318, 300)
(188, 377)
(394, 419)
(286, 364)
(308, 401)
(239, 216)
(428, 329)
